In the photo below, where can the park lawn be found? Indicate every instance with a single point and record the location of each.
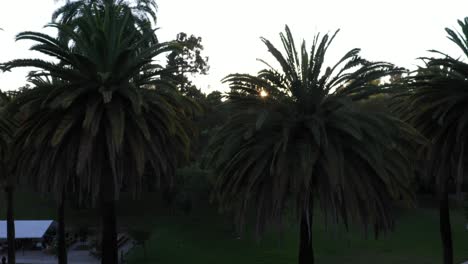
(207, 237)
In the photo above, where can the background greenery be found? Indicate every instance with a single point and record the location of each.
(204, 236)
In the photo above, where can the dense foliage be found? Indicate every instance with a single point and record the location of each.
(102, 117)
(435, 103)
(298, 136)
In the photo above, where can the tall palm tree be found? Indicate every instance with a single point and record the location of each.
(7, 128)
(142, 10)
(298, 137)
(436, 103)
(143, 13)
(46, 83)
(107, 119)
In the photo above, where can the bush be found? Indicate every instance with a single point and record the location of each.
(192, 187)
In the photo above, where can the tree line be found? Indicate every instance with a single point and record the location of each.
(102, 117)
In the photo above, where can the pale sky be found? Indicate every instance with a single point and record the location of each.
(397, 31)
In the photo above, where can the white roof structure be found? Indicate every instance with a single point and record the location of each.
(26, 229)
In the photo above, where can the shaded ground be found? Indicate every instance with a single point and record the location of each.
(205, 237)
(37, 257)
(32, 206)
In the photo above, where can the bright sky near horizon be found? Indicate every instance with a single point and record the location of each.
(397, 31)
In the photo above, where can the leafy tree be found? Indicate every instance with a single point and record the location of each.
(214, 113)
(106, 119)
(435, 102)
(193, 182)
(185, 61)
(180, 65)
(297, 137)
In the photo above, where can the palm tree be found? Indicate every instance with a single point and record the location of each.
(142, 10)
(45, 83)
(143, 13)
(7, 128)
(298, 137)
(436, 104)
(106, 120)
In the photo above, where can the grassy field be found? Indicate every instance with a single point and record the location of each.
(206, 237)
(202, 239)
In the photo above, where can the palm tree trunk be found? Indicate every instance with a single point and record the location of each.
(62, 247)
(10, 226)
(109, 233)
(306, 252)
(445, 228)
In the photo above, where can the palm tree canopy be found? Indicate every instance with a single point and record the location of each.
(436, 104)
(100, 110)
(142, 10)
(309, 138)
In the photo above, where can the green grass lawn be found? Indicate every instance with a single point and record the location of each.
(203, 239)
(206, 237)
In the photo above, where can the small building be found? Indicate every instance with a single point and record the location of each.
(27, 232)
